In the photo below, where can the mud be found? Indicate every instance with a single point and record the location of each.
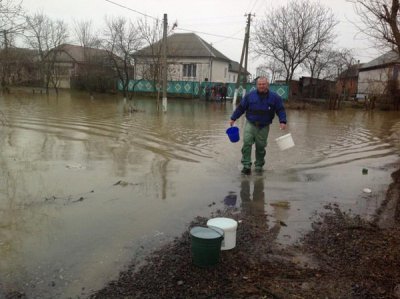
(343, 256)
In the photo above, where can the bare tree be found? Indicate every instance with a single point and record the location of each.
(327, 64)
(343, 60)
(47, 36)
(380, 20)
(85, 34)
(150, 61)
(91, 74)
(58, 36)
(35, 37)
(318, 63)
(11, 15)
(273, 67)
(11, 23)
(122, 39)
(289, 34)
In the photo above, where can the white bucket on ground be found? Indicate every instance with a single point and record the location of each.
(229, 227)
(284, 142)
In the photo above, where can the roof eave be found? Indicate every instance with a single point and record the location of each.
(378, 66)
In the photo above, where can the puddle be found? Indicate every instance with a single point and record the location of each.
(87, 187)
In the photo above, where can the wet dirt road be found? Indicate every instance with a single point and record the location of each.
(87, 186)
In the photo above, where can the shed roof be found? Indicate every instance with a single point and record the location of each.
(185, 45)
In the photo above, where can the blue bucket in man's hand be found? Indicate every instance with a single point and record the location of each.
(233, 134)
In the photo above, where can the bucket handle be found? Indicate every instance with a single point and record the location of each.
(212, 227)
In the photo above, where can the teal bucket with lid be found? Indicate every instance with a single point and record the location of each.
(206, 245)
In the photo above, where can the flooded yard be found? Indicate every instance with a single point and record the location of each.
(86, 186)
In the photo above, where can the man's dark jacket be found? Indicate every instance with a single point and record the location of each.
(261, 108)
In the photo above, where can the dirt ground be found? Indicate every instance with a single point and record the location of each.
(343, 256)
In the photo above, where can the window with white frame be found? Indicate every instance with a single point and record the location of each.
(189, 70)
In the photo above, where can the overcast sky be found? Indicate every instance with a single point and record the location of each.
(213, 20)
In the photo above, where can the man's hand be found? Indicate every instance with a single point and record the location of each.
(282, 126)
(231, 122)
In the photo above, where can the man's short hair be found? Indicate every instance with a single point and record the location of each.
(262, 77)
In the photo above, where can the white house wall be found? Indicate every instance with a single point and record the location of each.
(202, 69)
(374, 81)
(220, 70)
(219, 73)
(232, 77)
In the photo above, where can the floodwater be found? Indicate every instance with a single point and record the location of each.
(87, 186)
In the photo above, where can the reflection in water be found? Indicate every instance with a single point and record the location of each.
(253, 203)
(19, 220)
(159, 177)
(281, 212)
(230, 200)
(66, 225)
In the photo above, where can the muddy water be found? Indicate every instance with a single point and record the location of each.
(87, 186)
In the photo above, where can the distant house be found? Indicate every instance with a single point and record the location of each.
(19, 66)
(190, 58)
(347, 81)
(77, 66)
(316, 88)
(374, 76)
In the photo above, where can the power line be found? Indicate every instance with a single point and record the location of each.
(214, 22)
(212, 34)
(146, 15)
(141, 13)
(254, 5)
(212, 18)
(221, 40)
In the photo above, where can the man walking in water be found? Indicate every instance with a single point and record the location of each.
(260, 106)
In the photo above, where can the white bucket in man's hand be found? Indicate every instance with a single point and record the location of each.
(285, 141)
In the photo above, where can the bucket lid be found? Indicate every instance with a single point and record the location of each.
(222, 222)
(206, 232)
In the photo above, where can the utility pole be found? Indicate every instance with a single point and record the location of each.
(164, 64)
(211, 63)
(5, 67)
(245, 53)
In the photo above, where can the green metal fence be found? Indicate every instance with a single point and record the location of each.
(197, 89)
